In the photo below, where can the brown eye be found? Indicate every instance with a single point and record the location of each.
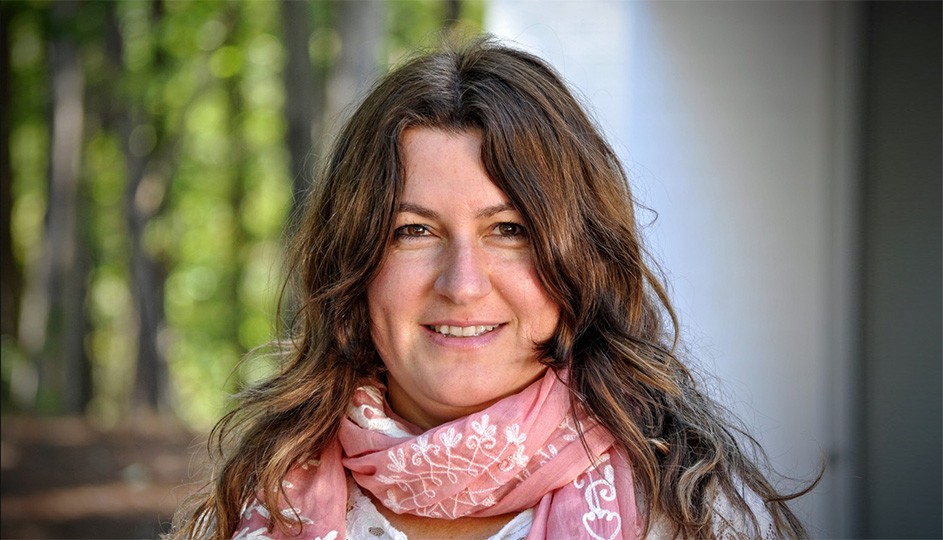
(509, 230)
(411, 231)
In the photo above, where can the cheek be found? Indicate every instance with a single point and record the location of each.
(381, 289)
(387, 304)
(548, 315)
(537, 310)
(376, 308)
(546, 311)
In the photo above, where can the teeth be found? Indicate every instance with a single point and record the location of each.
(463, 331)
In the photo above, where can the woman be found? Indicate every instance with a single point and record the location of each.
(481, 349)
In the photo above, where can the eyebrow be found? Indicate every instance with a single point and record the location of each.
(485, 212)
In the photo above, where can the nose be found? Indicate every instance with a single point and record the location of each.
(464, 276)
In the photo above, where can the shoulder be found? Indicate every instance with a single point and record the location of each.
(730, 522)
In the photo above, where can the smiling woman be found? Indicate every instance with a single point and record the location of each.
(457, 306)
(481, 348)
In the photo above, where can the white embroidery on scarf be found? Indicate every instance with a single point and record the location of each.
(292, 514)
(597, 492)
(550, 451)
(417, 471)
(262, 534)
(427, 465)
(372, 417)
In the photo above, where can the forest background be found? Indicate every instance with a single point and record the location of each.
(152, 155)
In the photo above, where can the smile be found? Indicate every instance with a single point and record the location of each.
(462, 331)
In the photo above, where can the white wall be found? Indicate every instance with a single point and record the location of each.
(736, 122)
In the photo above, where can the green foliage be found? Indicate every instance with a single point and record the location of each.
(197, 101)
(412, 24)
(29, 143)
(29, 138)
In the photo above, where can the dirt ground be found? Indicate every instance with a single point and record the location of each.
(63, 478)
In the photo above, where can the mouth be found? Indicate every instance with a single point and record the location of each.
(462, 331)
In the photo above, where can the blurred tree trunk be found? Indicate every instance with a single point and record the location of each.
(57, 323)
(11, 277)
(313, 105)
(304, 97)
(237, 195)
(453, 13)
(146, 152)
(149, 176)
(360, 26)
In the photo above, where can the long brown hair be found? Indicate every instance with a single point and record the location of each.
(617, 330)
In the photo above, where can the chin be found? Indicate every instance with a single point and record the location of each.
(481, 399)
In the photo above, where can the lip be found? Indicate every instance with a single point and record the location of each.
(469, 342)
(456, 322)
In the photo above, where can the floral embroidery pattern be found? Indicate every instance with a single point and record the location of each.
(293, 514)
(449, 473)
(430, 464)
(524, 452)
(597, 492)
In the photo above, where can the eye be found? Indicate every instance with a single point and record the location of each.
(510, 230)
(412, 230)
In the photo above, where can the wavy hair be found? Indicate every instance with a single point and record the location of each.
(617, 332)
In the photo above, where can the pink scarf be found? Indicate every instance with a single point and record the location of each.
(522, 452)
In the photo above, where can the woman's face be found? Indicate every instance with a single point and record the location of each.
(456, 307)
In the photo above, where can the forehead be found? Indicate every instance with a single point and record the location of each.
(444, 169)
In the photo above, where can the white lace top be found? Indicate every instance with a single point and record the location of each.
(728, 522)
(365, 522)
